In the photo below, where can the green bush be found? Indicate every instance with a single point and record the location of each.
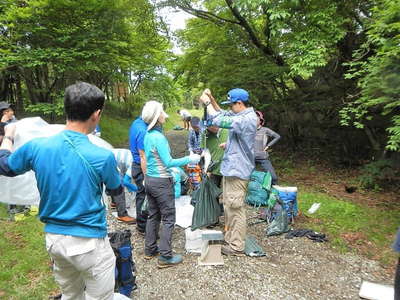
(378, 174)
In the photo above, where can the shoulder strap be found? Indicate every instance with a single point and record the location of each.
(87, 164)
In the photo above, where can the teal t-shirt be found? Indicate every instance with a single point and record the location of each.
(70, 172)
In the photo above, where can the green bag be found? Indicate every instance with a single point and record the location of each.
(252, 248)
(279, 225)
(206, 209)
(258, 189)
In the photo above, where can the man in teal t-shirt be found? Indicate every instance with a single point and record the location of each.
(70, 173)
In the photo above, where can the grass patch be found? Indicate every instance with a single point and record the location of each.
(115, 130)
(115, 123)
(352, 227)
(25, 271)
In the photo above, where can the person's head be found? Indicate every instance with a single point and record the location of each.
(260, 118)
(6, 112)
(153, 114)
(195, 123)
(238, 100)
(83, 102)
(178, 111)
(213, 129)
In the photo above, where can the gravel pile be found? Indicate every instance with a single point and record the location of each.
(293, 269)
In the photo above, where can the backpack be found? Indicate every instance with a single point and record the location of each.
(259, 189)
(288, 195)
(125, 270)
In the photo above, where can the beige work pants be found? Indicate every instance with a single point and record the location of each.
(83, 267)
(234, 193)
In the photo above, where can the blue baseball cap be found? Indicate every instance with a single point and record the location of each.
(236, 95)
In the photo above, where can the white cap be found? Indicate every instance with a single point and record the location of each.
(151, 111)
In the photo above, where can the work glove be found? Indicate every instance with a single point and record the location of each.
(194, 158)
(127, 182)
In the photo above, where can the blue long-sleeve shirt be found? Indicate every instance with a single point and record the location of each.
(238, 159)
(158, 155)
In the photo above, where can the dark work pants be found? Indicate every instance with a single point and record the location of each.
(138, 177)
(160, 195)
(397, 282)
(266, 166)
(121, 204)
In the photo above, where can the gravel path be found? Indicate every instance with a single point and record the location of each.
(293, 269)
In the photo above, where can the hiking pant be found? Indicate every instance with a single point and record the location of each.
(138, 177)
(397, 282)
(266, 166)
(234, 193)
(84, 268)
(160, 195)
(121, 204)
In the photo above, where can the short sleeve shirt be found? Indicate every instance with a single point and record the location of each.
(70, 172)
(137, 132)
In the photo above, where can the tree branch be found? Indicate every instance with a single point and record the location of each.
(185, 6)
(252, 35)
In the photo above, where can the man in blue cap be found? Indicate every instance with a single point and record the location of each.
(237, 163)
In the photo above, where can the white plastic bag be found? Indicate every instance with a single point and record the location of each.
(22, 189)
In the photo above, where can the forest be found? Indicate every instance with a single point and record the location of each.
(325, 73)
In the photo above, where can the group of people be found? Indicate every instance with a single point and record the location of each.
(72, 205)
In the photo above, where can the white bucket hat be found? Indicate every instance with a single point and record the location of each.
(151, 111)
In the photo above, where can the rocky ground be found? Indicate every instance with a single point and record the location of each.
(293, 269)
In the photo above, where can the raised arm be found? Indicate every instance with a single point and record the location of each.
(275, 137)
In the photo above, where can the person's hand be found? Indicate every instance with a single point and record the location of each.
(191, 152)
(205, 99)
(207, 92)
(194, 158)
(4, 118)
(9, 130)
(223, 145)
(266, 148)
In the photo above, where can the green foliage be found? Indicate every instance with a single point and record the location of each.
(377, 174)
(47, 109)
(337, 217)
(25, 271)
(115, 125)
(379, 74)
(52, 43)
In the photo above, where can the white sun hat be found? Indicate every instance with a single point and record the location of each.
(151, 111)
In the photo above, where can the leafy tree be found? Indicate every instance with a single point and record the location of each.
(52, 43)
(376, 66)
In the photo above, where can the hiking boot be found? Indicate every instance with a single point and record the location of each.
(150, 256)
(227, 250)
(127, 220)
(165, 262)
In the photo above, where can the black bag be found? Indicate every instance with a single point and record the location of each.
(125, 271)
